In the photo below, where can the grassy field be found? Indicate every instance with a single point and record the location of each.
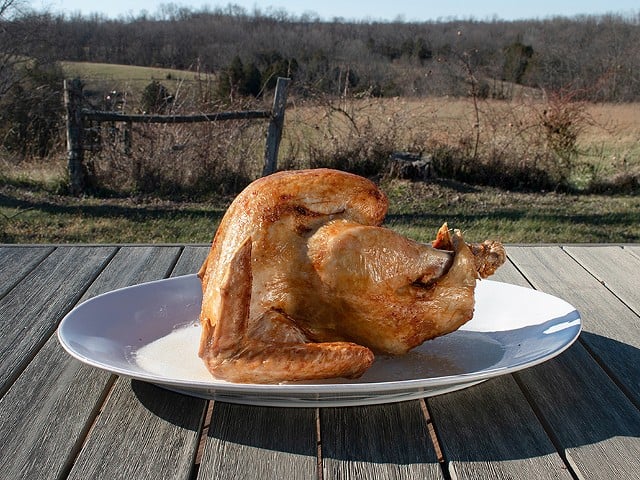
(35, 209)
(31, 212)
(607, 135)
(103, 78)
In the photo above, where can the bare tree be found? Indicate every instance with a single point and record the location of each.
(9, 57)
(30, 83)
(18, 36)
(598, 55)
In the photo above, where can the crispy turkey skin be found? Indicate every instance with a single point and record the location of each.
(303, 283)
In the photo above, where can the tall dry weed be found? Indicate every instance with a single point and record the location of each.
(528, 144)
(355, 134)
(525, 144)
(180, 160)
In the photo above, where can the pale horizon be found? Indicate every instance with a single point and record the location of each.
(358, 10)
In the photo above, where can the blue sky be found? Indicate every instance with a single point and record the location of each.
(406, 10)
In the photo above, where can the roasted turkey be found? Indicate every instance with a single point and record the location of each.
(303, 283)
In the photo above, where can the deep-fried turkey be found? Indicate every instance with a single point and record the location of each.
(303, 283)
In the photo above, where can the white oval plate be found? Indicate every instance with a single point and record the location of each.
(150, 332)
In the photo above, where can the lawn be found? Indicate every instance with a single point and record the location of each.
(31, 213)
(103, 78)
(35, 209)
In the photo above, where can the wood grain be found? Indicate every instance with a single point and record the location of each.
(260, 442)
(31, 311)
(59, 393)
(166, 446)
(490, 430)
(615, 268)
(190, 260)
(575, 416)
(591, 420)
(157, 429)
(377, 442)
(16, 262)
(611, 329)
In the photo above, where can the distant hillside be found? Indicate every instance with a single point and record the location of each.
(102, 78)
(595, 57)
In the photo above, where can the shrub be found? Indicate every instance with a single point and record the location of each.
(349, 139)
(156, 98)
(562, 121)
(31, 112)
(182, 160)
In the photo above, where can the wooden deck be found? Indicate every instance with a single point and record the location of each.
(575, 416)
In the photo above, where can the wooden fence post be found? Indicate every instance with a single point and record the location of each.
(274, 133)
(73, 105)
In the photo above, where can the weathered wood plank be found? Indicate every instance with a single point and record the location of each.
(59, 394)
(49, 408)
(490, 431)
(190, 260)
(31, 311)
(16, 262)
(274, 132)
(590, 418)
(480, 440)
(75, 154)
(633, 249)
(616, 268)
(260, 442)
(611, 329)
(204, 117)
(172, 422)
(143, 432)
(377, 442)
(46, 413)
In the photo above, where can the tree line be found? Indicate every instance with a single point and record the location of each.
(596, 55)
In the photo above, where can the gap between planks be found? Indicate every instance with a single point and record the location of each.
(206, 424)
(572, 468)
(100, 406)
(204, 432)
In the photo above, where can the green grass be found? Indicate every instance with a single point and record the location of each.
(92, 220)
(34, 209)
(31, 213)
(417, 209)
(105, 77)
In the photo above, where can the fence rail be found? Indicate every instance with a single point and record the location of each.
(76, 117)
(101, 116)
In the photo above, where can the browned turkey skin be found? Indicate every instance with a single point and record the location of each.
(303, 283)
